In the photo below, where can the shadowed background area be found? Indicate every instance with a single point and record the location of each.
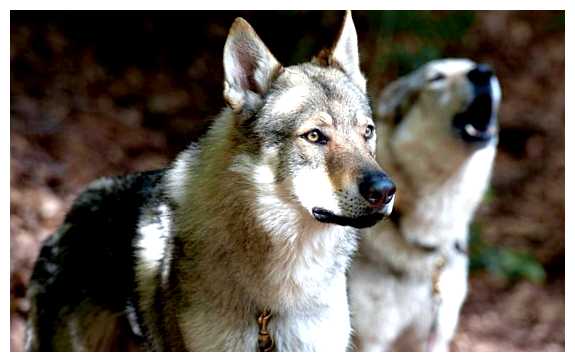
(104, 93)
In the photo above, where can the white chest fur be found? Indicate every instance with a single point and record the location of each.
(324, 328)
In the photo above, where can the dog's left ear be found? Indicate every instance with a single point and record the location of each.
(397, 98)
(344, 54)
(249, 69)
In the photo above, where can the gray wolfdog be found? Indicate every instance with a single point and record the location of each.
(437, 138)
(242, 244)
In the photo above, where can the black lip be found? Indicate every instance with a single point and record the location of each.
(479, 114)
(325, 216)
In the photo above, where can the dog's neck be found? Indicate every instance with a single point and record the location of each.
(440, 183)
(436, 198)
(241, 233)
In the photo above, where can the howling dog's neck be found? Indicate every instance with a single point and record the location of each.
(440, 185)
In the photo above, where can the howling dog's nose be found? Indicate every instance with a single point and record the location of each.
(480, 75)
(376, 188)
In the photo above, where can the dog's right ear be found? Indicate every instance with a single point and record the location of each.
(249, 69)
(397, 98)
(344, 54)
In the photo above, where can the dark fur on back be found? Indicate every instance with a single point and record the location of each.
(260, 215)
(95, 248)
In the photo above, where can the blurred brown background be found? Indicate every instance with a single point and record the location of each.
(103, 93)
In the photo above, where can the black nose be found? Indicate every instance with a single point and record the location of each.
(376, 188)
(480, 75)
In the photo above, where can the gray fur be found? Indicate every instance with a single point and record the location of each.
(227, 231)
(441, 179)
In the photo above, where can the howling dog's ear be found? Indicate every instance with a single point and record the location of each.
(397, 98)
(249, 68)
(344, 53)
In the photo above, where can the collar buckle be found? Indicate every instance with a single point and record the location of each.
(265, 340)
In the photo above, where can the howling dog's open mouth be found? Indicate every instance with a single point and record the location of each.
(365, 221)
(477, 124)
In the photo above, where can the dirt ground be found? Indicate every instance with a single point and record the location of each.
(78, 114)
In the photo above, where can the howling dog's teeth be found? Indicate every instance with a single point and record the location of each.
(470, 130)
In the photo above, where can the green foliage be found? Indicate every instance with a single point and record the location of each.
(489, 196)
(424, 24)
(504, 263)
(406, 60)
(556, 23)
(405, 40)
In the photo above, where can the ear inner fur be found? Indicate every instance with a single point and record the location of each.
(396, 100)
(249, 69)
(344, 54)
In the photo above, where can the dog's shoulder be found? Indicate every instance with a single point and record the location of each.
(115, 204)
(94, 246)
(177, 177)
(132, 189)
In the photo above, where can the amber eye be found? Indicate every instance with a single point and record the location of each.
(369, 132)
(315, 136)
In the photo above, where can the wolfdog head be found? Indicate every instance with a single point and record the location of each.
(439, 122)
(455, 98)
(437, 138)
(307, 128)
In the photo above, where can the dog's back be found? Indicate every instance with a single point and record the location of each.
(85, 271)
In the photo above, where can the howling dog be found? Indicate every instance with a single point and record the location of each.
(437, 139)
(243, 242)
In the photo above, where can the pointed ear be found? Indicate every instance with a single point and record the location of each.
(249, 68)
(397, 98)
(344, 53)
